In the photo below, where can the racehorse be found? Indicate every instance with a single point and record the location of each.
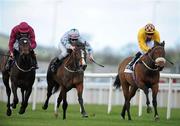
(69, 75)
(21, 74)
(146, 75)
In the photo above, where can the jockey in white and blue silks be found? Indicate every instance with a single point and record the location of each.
(69, 37)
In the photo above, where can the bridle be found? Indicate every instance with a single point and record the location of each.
(153, 61)
(68, 60)
(24, 41)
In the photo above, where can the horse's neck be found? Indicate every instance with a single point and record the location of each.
(149, 62)
(24, 61)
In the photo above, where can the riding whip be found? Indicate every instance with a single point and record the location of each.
(97, 63)
(169, 61)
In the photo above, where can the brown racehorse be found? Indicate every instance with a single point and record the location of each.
(22, 75)
(69, 75)
(146, 75)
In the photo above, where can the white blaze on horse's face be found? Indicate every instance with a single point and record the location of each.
(160, 61)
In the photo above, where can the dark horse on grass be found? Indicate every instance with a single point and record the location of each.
(69, 75)
(21, 74)
(146, 75)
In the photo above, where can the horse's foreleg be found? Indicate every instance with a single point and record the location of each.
(22, 92)
(5, 78)
(25, 103)
(15, 100)
(79, 89)
(8, 92)
(65, 104)
(154, 101)
(146, 91)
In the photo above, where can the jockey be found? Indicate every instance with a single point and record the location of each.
(69, 37)
(21, 30)
(146, 37)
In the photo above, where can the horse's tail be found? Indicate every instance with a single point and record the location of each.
(117, 82)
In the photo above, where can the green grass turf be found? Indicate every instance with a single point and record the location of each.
(97, 117)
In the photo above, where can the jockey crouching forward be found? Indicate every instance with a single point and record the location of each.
(71, 36)
(19, 31)
(146, 37)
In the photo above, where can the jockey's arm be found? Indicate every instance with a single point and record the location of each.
(32, 39)
(12, 41)
(90, 51)
(142, 43)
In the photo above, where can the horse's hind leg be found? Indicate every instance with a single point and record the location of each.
(131, 94)
(49, 93)
(5, 78)
(25, 103)
(79, 89)
(149, 110)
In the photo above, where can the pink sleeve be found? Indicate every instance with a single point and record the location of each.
(12, 40)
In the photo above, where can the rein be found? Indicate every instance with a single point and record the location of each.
(149, 67)
(28, 70)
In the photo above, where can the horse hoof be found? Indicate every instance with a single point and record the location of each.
(122, 116)
(9, 112)
(85, 115)
(22, 111)
(45, 107)
(13, 105)
(149, 110)
(156, 118)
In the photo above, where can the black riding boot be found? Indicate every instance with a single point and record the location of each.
(130, 65)
(9, 64)
(55, 65)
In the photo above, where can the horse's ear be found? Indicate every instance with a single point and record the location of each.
(163, 43)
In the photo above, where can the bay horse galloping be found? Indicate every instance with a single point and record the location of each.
(21, 74)
(69, 75)
(146, 75)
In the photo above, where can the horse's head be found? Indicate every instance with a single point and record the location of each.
(24, 46)
(157, 55)
(78, 58)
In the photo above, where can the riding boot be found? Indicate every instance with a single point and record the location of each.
(9, 64)
(54, 65)
(130, 65)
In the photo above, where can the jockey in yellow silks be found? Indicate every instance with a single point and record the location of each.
(146, 38)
